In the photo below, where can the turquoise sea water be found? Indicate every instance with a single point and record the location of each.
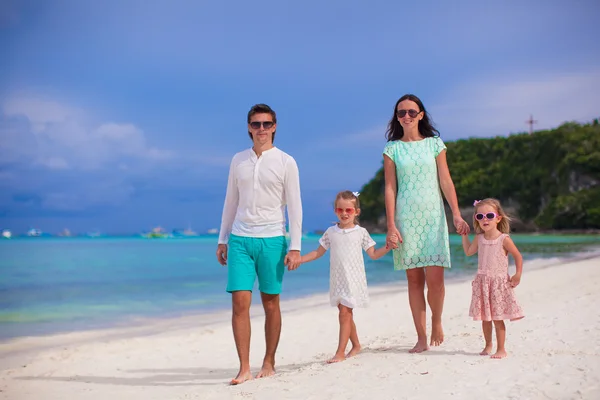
(50, 285)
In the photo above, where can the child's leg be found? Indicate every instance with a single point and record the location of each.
(354, 340)
(487, 335)
(345, 318)
(500, 338)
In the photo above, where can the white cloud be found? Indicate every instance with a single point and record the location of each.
(52, 150)
(498, 106)
(60, 136)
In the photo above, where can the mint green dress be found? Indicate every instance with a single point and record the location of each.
(420, 215)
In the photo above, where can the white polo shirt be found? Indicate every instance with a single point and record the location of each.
(258, 191)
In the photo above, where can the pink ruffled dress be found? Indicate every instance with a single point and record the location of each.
(493, 298)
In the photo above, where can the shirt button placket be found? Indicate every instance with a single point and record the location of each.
(255, 183)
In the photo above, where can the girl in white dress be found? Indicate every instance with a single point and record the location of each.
(347, 279)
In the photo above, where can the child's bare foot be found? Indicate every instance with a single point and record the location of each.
(353, 351)
(437, 334)
(241, 378)
(336, 358)
(267, 370)
(499, 354)
(487, 350)
(420, 347)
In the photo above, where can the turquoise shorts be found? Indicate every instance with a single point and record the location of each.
(249, 257)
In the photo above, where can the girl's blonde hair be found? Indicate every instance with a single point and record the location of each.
(503, 225)
(348, 195)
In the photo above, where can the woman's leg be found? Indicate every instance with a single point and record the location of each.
(416, 299)
(435, 297)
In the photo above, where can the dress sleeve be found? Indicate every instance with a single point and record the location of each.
(388, 150)
(367, 240)
(324, 240)
(438, 145)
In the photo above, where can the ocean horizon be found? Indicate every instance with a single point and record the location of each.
(59, 284)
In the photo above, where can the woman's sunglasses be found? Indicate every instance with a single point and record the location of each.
(490, 215)
(342, 210)
(411, 113)
(265, 124)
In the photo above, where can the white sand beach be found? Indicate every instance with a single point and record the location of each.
(554, 352)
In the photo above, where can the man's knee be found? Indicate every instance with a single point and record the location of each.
(270, 302)
(241, 303)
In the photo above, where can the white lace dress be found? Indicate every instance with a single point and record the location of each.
(347, 278)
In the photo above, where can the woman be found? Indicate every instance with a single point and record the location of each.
(415, 168)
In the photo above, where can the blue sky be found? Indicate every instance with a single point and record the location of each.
(123, 115)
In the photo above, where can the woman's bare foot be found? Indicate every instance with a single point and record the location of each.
(353, 351)
(499, 354)
(336, 358)
(487, 350)
(241, 378)
(437, 334)
(267, 369)
(420, 347)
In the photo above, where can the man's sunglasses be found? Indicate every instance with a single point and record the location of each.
(347, 210)
(490, 215)
(265, 124)
(411, 113)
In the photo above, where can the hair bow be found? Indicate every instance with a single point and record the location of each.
(476, 202)
(356, 193)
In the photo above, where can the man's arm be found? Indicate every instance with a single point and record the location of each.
(294, 203)
(229, 209)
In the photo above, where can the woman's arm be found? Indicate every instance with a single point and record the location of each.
(450, 193)
(390, 191)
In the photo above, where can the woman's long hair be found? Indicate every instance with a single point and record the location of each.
(426, 128)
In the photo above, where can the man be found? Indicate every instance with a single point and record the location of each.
(262, 181)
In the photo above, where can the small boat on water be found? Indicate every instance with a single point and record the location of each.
(34, 232)
(6, 234)
(157, 233)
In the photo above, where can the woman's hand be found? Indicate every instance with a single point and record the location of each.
(461, 226)
(393, 238)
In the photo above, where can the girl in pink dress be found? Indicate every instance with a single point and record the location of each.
(493, 298)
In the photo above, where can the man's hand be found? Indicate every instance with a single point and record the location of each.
(292, 260)
(222, 254)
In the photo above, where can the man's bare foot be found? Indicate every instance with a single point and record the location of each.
(437, 334)
(420, 347)
(241, 378)
(499, 354)
(487, 350)
(353, 351)
(266, 370)
(336, 358)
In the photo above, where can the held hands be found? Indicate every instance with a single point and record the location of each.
(222, 254)
(461, 226)
(292, 260)
(393, 238)
(515, 280)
